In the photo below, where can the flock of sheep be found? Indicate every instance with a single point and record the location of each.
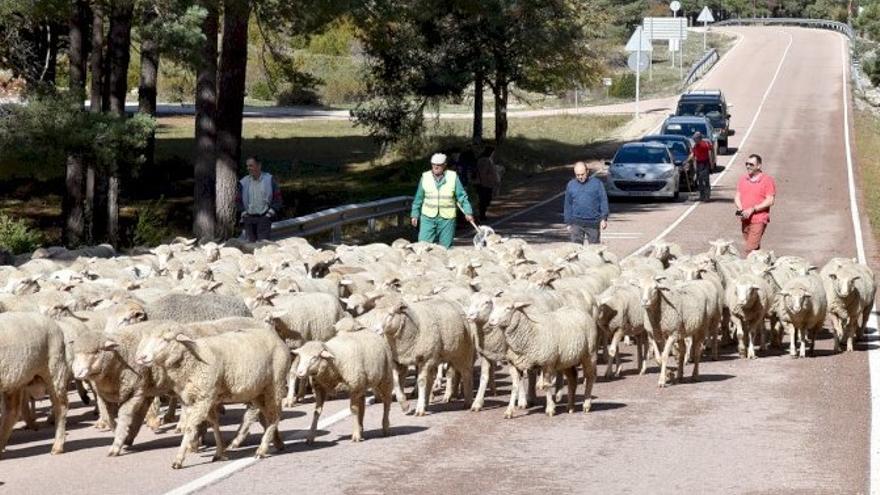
(256, 324)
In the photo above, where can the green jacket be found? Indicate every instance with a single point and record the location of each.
(460, 196)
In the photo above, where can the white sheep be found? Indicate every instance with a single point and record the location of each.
(619, 313)
(749, 299)
(558, 341)
(351, 362)
(248, 366)
(850, 289)
(801, 309)
(674, 314)
(32, 350)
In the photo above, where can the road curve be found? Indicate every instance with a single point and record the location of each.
(770, 425)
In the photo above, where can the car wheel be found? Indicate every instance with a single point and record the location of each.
(676, 196)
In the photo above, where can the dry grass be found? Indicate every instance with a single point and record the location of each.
(867, 134)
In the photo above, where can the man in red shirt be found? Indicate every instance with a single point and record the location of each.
(702, 156)
(755, 194)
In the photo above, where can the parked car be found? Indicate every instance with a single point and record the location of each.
(687, 125)
(643, 170)
(679, 146)
(709, 103)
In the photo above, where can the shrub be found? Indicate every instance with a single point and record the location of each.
(297, 96)
(623, 86)
(152, 226)
(17, 237)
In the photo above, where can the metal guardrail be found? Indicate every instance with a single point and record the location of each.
(333, 219)
(791, 21)
(700, 67)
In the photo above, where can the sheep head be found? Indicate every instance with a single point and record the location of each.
(480, 308)
(164, 345)
(502, 313)
(745, 296)
(796, 299)
(844, 284)
(391, 319)
(358, 304)
(313, 358)
(651, 291)
(128, 313)
(92, 353)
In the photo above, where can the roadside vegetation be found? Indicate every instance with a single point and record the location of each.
(867, 138)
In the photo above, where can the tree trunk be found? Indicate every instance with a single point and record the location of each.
(147, 86)
(119, 53)
(50, 70)
(233, 63)
(96, 97)
(72, 204)
(477, 136)
(500, 93)
(206, 128)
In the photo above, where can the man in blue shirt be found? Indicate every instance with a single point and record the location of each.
(585, 210)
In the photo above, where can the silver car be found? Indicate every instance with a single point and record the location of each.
(643, 170)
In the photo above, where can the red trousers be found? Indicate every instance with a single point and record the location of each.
(752, 234)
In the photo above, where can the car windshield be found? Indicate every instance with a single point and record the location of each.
(710, 110)
(686, 129)
(642, 154)
(676, 146)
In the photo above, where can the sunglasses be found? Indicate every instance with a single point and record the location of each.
(750, 164)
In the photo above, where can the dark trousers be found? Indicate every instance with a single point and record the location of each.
(584, 234)
(485, 196)
(704, 185)
(257, 227)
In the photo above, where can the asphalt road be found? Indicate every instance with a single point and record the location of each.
(772, 425)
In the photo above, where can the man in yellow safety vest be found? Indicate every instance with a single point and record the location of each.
(435, 202)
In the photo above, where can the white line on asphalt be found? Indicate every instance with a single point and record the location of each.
(873, 355)
(235, 466)
(732, 160)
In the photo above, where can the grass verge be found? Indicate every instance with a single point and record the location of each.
(867, 134)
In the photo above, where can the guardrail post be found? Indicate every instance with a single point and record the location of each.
(371, 225)
(337, 234)
(401, 219)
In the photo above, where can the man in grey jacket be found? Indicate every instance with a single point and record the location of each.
(585, 209)
(259, 200)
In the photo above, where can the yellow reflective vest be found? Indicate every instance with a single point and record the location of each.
(439, 201)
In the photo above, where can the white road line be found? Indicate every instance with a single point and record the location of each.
(732, 160)
(873, 355)
(233, 467)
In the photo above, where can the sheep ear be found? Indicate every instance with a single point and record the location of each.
(832, 276)
(659, 278)
(346, 282)
(294, 352)
(784, 293)
(345, 300)
(476, 264)
(521, 304)
(327, 355)
(499, 292)
(857, 277)
(109, 345)
(183, 339)
(807, 295)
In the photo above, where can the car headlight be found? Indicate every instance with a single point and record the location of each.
(668, 174)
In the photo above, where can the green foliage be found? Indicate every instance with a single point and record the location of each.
(336, 40)
(623, 86)
(177, 83)
(17, 237)
(868, 22)
(51, 127)
(871, 66)
(151, 228)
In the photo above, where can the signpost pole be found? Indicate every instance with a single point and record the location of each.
(638, 71)
(651, 59)
(681, 50)
(673, 51)
(704, 35)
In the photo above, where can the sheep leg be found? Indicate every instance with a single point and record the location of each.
(492, 388)
(640, 353)
(398, 374)
(220, 453)
(464, 373)
(531, 395)
(754, 328)
(357, 404)
(452, 382)
(172, 408)
(319, 406)
(557, 389)
(56, 387)
(485, 371)
(763, 336)
(740, 337)
(384, 392)
(83, 393)
(613, 356)
(851, 330)
(515, 385)
(547, 387)
(28, 411)
(571, 380)
(429, 391)
(11, 409)
(664, 358)
(695, 372)
(292, 382)
(136, 420)
(152, 416)
(837, 332)
(124, 423)
(682, 357)
(423, 381)
(250, 415)
(107, 414)
(803, 343)
(271, 411)
(522, 399)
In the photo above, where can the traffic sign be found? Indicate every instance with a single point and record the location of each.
(705, 15)
(607, 80)
(665, 28)
(639, 41)
(638, 62)
(675, 6)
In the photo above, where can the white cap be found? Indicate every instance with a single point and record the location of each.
(438, 159)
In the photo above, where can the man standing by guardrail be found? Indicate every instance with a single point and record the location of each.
(435, 201)
(755, 194)
(258, 200)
